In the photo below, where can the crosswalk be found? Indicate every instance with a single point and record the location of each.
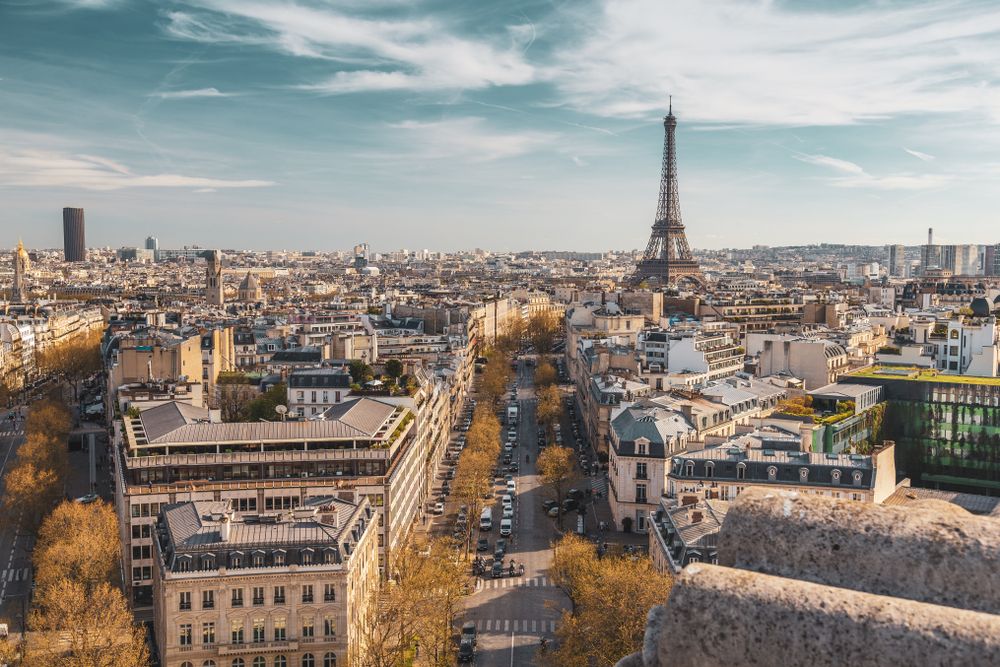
(14, 574)
(534, 625)
(513, 582)
(599, 484)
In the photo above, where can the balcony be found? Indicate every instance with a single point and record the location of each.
(258, 647)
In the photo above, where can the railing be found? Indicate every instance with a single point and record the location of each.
(257, 647)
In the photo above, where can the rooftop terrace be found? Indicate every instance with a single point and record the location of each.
(919, 375)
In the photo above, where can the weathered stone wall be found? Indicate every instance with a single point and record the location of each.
(930, 550)
(816, 581)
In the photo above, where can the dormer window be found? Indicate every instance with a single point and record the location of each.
(208, 562)
(184, 563)
(641, 448)
(307, 556)
(772, 473)
(689, 469)
(329, 557)
(258, 559)
(857, 478)
(803, 475)
(741, 471)
(279, 557)
(710, 469)
(835, 476)
(236, 559)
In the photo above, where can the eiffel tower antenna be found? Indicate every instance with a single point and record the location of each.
(667, 256)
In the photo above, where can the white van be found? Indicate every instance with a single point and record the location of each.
(505, 527)
(486, 519)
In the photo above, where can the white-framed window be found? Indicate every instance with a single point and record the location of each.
(803, 475)
(772, 473)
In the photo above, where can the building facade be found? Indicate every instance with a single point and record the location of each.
(74, 241)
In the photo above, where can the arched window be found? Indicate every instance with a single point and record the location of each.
(803, 475)
(239, 662)
(259, 661)
(186, 664)
(954, 333)
(772, 473)
(689, 469)
(710, 469)
(741, 471)
(208, 663)
(308, 660)
(835, 476)
(857, 478)
(330, 660)
(280, 661)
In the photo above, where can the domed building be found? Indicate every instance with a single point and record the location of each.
(249, 290)
(19, 292)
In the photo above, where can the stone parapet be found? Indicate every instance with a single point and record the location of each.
(816, 581)
(931, 551)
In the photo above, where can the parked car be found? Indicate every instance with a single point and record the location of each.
(575, 494)
(469, 632)
(483, 544)
(87, 499)
(553, 511)
(549, 504)
(508, 512)
(439, 508)
(511, 486)
(570, 504)
(506, 527)
(500, 549)
(497, 569)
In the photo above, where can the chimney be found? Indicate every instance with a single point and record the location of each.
(696, 516)
(689, 499)
(930, 236)
(224, 528)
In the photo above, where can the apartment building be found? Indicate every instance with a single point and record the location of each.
(817, 362)
(727, 470)
(174, 452)
(276, 589)
(312, 390)
(712, 350)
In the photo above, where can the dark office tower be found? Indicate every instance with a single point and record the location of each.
(74, 244)
(152, 243)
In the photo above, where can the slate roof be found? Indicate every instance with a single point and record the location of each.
(658, 425)
(162, 419)
(726, 459)
(319, 378)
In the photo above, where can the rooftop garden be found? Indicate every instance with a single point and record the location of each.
(917, 374)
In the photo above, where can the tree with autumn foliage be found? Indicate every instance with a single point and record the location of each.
(609, 597)
(75, 359)
(543, 330)
(555, 466)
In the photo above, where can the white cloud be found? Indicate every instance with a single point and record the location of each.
(770, 63)
(579, 161)
(832, 162)
(187, 94)
(25, 167)
(468, 139)
(383, 54)
(856, 177)
(925, 157)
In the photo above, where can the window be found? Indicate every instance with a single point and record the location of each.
(641, 448)
(258, 630)
(306, 556)
(184, 634)
(279, 629)
(238, 662)
(307, 627)
(741, 471)
(640, 471)
(307, 593)
(279, 558)
(329, 627)
(208, 599)
(183, 563)
(835, 476)
(709, 468)
(208, 663)
(142, 531)
(689, 469)
(640, 493)
(208, 562)
(857, 478)
(308, 660)
(803, 475)
(208, 633)
(143, 551)
(258, 595)
(330, 660)
(259, 661)
(237, 600)
(236, 631)
(329, 593)
(280, 661)
(236, 559)
(184, 600)
(279, 595)
(186, 664)
(258, 559)
(772, 473)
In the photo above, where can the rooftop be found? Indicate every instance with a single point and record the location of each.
(914, 373)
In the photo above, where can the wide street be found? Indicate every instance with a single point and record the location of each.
(15, 547)
(513, 613)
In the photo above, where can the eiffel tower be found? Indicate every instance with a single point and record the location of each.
(667, 255)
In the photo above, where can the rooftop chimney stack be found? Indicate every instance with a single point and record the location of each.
(224, 527)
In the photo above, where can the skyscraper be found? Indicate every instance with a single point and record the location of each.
(897, 261)
(152, 243)
(74, 243)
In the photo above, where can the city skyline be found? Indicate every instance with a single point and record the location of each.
(319, 124)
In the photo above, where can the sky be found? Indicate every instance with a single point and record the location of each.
(500, 124)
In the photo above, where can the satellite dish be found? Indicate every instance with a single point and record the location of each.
(281, 409)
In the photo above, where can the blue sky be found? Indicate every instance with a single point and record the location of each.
(522, 124)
